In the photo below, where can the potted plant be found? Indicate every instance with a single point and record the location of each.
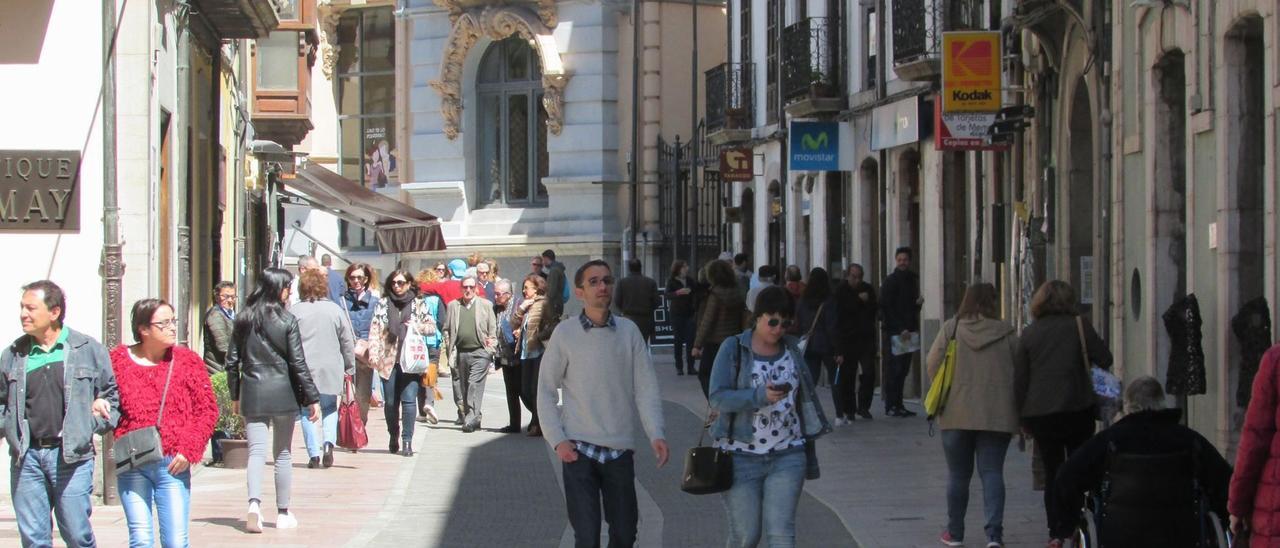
(819, 85)
(229, 432)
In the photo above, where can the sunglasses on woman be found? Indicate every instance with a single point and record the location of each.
(775, 322)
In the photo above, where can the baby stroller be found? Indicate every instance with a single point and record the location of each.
(1150, 500)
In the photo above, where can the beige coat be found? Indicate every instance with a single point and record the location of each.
(982, 395)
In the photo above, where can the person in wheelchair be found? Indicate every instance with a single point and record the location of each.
(1151, 480)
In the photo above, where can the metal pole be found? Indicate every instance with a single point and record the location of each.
(182, 171)
(635, 123)
(112, 257)
(695, 141)
(297, 227)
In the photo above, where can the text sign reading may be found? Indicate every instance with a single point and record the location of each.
(815, 146)
(970, 72)
(39, 190)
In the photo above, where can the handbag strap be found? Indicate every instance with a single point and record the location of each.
(165, 394)
(816, 317)
(1084, 346)
(737, 369)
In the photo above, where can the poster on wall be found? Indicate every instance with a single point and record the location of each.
(380, 169)
(1086, 279)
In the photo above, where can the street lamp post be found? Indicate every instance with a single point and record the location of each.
(635, 124)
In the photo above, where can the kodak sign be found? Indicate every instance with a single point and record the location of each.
(971, 72)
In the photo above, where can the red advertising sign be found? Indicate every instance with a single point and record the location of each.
(963, 130)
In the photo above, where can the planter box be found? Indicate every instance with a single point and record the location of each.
(235, 453)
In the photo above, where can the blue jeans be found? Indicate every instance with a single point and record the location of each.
(400, 403)
(316, 435)
(140, 487)
(39, 480)
(588, 485)
(766, 490)
(960, 447)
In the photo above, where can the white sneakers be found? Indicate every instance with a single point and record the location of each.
(253, 519)
(841, 421)
(253, 523)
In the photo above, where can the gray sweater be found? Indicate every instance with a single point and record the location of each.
(601, 371)
(327, 342)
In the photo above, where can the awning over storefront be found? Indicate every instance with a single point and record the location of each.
(398, 227)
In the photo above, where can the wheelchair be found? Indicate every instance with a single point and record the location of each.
(1150, 500)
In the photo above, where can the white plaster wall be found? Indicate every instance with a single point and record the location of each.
(53, 110)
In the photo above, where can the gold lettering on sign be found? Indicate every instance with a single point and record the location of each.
(36, 205)
(7, 210)
(44, 167)
(60, 200)
(64, 168)
(26, 175)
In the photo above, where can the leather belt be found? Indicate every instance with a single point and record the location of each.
(46, 443)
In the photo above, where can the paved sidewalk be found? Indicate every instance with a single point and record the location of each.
(883, 485)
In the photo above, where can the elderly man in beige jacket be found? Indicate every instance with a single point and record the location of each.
(471, 337)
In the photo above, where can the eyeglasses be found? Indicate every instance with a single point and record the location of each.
(399, 282)
(596, 282)
(357, 278)
(502, 293)
(166, 324)
(775, 322)
(469, 287)
(440, 269)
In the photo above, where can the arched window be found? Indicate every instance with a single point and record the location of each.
(512, 126)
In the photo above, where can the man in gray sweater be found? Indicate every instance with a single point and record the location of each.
(591, 432)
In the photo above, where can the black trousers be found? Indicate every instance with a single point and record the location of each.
(709, 351)
(587, 484)
(682, 332)
(529, 386)
(511, 381)
(858, 377)
(1058, 435)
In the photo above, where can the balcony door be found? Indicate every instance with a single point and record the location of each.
(513, 127)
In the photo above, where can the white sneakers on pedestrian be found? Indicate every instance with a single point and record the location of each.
(286, 521)
(253, 521)
(431, 415)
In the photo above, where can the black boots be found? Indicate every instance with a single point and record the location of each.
(407, 450)
(327, 459)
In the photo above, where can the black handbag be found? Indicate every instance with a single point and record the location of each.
(709, 469)
(142, 446)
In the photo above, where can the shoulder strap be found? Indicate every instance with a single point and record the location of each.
(816, 317)
(1084, 346)
(165, 394)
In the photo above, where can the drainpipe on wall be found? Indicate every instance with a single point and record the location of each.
(112, 266)
(882, 61)
(635, 126)
(182, 170)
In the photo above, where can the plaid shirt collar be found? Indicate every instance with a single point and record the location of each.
(588, 325)
(598, 453)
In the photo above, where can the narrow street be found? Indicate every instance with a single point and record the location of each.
(883, 485)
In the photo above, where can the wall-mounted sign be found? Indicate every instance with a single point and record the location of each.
(39, 190)
(736, 165)
(815, 146)
(964, 131)
(900, 123)
(971, 71)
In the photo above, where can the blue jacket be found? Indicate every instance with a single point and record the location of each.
(360, 313)
(88, 376)
(741, 404)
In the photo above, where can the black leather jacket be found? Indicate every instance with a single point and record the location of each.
(265, 381)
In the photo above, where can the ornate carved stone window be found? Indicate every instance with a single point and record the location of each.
(512, 141)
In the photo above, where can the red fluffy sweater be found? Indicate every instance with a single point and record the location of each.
(190, 409)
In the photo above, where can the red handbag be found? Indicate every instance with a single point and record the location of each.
(351, 432)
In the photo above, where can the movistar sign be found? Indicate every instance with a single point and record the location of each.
(815, 146)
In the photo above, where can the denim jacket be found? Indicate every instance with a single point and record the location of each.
(88, 376)
(741, 404)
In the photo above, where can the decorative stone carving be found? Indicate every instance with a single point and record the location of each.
(454, 7)
(547, 12)
(497, 23)
(328, 30)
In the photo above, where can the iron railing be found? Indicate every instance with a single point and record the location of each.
(691, 216)
(809, 64)
(918, 25)
(730, 102)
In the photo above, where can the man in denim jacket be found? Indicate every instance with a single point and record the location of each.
(57, 390)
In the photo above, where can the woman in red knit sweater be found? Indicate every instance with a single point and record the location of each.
(190, 412)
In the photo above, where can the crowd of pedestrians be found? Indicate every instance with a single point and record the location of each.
(766, 351)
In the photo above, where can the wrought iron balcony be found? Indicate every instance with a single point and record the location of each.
(810, 49)
(730, 101)
(233, 19)
(917, 33)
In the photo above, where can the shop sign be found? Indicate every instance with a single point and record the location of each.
(815, 146)
(736, 165)
(39, 190)
(901, 122)
(971, 71)
(964, 131)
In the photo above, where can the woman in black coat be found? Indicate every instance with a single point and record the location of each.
(680, 306)
(816, 317)
(268, 380)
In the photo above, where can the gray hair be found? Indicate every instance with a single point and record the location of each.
(498, 285)
(306, 261)
(1143, 394)
(471, 277)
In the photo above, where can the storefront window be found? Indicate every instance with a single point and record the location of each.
(513, 126)
(366, 105)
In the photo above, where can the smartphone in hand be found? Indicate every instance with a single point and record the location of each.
(784, 387)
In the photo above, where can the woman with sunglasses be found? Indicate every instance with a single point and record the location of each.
(359, 302)
(387, 334)
(767, 410)
(268, 380)
(151, 370)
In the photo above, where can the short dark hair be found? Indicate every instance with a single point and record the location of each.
(539, 283)
(224, 284)
(676, 265)
(819, 286)
(740, 258)
(794, 274)
(980, 300)
(633, 265)
(767, 271)
(550, 254)
(143, 311)
(902, 250)
(774, 300)
(582, 270)
(720, 274)
(1054, 297)
(52, 296)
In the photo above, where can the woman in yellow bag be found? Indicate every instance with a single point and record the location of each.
(980, 415)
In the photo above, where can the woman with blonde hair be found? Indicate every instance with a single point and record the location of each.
(980, 416)
(1054, 392)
